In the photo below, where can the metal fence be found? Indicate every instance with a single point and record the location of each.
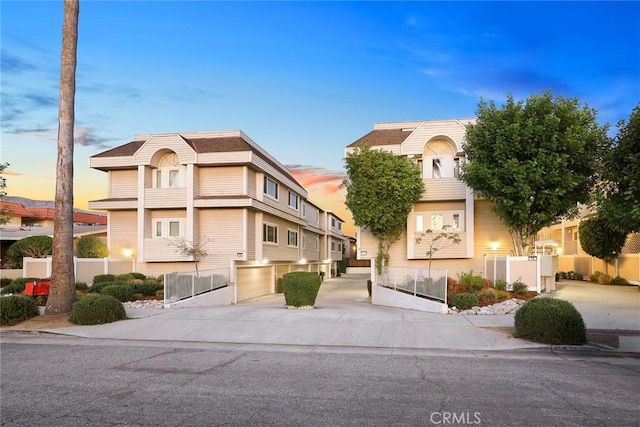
(178, 286)
(425, 282)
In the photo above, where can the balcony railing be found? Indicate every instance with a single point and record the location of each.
(424, 282)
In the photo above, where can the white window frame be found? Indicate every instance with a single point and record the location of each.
(296, 199)
(267, 190)
(265, 233)
(163, 225)
(290, 233)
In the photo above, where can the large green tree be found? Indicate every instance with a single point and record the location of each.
(381, 190)
(619, 205)
(534, 159)
(63, 287)
(599, 240)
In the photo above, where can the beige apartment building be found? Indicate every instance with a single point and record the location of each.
(447, 203)
(219, 189)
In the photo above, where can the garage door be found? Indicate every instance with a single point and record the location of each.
(254, 282)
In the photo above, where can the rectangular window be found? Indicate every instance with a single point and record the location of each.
(333, 246)
(292, 238)
(456, 167)
(304, 242)
(169, 228)
(158, 178)
(333, 222)
(419, 223)
(174, 178)
(436, 171)
(455, 222)
(269, 233)
(174, 228)
(270, 187)
(293, 200)
(304, 210)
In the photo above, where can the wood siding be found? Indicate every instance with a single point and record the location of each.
(281, 252)
(123, 184)
(453, 130)
(146, 155)
(224, 228)
(156, 198)
(251, 183)
(444, 189)
(123, 229)
(221, 181)
(252, 235)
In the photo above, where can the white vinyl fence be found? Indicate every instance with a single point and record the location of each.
(424, 282)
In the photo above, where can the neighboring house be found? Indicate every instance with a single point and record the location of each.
(218, 188)
(38, 221)
(563, 239)
(437, 147)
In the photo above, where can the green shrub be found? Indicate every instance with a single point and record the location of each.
(519, 288)
(81, 286)
(160, 278)
(91, 247)
(369, 284)
(301, 288)
(4, 281)
(146, 289)
(470, 282)
(595, 276)
(550, 321)
(619, 281)
(15, 309)
(279, 285)
(103, 278)
(96, 309)
(502, 295)
(122, 293)
(32, 246)
(488, 296)
(127, 277)
(97, 288)
(139, 276)
(464, 301)
(500, 285)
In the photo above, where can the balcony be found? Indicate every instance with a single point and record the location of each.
(444, 189)
(162, 198)
(160, 250)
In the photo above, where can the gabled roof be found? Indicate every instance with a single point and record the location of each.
(382, 137)
(16, 209)
(205, 144)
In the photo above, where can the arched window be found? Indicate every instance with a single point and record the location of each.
(439, 159)
(168, 172)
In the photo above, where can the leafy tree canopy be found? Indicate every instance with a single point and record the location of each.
(5, 213)
(91, 247)
(620, 204)
(32, 246)
(381, 190)
(534, 159)
(599, 240)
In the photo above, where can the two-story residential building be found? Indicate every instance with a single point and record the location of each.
(446, 204)
(219, 189)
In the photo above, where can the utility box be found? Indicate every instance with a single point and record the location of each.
(37, 288)
(548, 270)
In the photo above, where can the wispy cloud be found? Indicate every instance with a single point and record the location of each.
(325, 181)
(12, 64)
(83, 135)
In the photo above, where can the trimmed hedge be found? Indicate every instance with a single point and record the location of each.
(96, 309)
(122, 293)
(15, 309)
(550, 321)
(464, 301)
(301, 288)
(104, 278)
(17, 285)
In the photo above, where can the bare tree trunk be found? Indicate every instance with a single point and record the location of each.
(63, 289)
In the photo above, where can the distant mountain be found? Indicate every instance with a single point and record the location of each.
(30, 203)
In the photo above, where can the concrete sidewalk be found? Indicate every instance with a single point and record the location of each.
(343, 317)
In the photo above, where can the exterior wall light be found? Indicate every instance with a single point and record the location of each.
(494, 245)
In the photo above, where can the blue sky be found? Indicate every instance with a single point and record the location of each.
(303, 79)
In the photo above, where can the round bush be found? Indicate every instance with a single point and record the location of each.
(32, 246)
(146, 289)
(301, 288)
(15, 309)
(464, 301)
(91, 247)
(122, 293)
(550, 321)
(138, 276)
(519, 288)
(126, 277)
(96, 309)
(619, 281)
(4, 281)
(103, 278)
(97, 288)
(17, 285)
(81, 286)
